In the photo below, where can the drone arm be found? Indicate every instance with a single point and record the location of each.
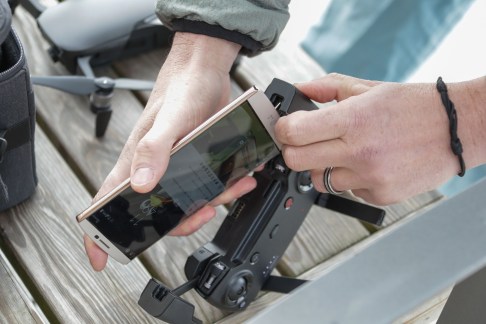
(283, 285)
(363, 212)
(85, 66)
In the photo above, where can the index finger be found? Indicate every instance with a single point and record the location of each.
(308, 127)
(335, 86)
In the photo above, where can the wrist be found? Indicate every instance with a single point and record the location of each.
(203, 51)
(470, 99)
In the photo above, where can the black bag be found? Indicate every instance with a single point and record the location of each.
(17, 118)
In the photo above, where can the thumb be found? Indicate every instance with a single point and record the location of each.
(150, 159)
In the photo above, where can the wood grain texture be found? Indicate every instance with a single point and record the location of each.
(71, 123)
(68, 117)
(285, 61)
(16, 303)
(323, 234)
(61, 273)
(427, 313)
(46, 240)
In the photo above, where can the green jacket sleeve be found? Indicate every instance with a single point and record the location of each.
(255, 24)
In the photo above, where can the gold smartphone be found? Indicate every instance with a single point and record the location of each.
(226, 147)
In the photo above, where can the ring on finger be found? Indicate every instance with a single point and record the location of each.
(327, 182)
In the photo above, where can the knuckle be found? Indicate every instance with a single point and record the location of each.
(290, 129)
(376, 179)
(144, 125)
(318, 183)
(365, 156)
(335, 75)
(147, 146)
(382, 197)
(292, 158)
(359, 119)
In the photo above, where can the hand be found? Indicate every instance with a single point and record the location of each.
(192, 85)
(387, 141)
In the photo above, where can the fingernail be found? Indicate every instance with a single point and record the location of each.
(142, 176)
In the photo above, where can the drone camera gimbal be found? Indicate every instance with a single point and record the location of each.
(230, 270)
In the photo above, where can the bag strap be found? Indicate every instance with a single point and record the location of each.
(14, 137)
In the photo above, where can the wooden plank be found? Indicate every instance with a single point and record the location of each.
(427, 313)
(408, 207)
(285, 61)
(94, 158)
(68, 117)
(323, 234)
(16, 303)
(47, 243)
(147, 67)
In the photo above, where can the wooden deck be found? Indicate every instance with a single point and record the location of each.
(45, 273)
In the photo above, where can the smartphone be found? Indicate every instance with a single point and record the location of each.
(226, 147)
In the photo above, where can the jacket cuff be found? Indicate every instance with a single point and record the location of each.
(250, 47)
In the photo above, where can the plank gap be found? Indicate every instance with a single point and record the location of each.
(47, 312)
(70, 161)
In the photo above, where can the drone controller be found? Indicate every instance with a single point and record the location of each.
(230, 270)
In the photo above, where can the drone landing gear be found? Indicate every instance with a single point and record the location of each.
(101, 107)
(100, 90)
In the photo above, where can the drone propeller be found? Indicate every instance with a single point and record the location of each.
(99, 89)
(82, 85)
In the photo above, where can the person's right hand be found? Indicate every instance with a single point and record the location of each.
(387, 141)
(192, 85)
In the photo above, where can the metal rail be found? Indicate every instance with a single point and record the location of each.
(407, 265)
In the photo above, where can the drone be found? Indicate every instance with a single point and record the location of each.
(82, 38)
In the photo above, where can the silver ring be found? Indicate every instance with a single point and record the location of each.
(327, 182)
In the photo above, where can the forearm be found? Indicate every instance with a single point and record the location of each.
(192, 59)
(470, 102)
(201, 50)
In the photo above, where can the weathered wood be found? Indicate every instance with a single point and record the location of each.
(147, 66)
(70, 122)
(323, 234)
(397, 211)
(47, 243)
(68, 118)
(428, 312)
(285, 61)
(16, 303)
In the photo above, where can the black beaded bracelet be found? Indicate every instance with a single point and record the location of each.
(456, 145)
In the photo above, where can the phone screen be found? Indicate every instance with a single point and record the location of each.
(196, 174)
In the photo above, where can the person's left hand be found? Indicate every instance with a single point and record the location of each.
(193, 84)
